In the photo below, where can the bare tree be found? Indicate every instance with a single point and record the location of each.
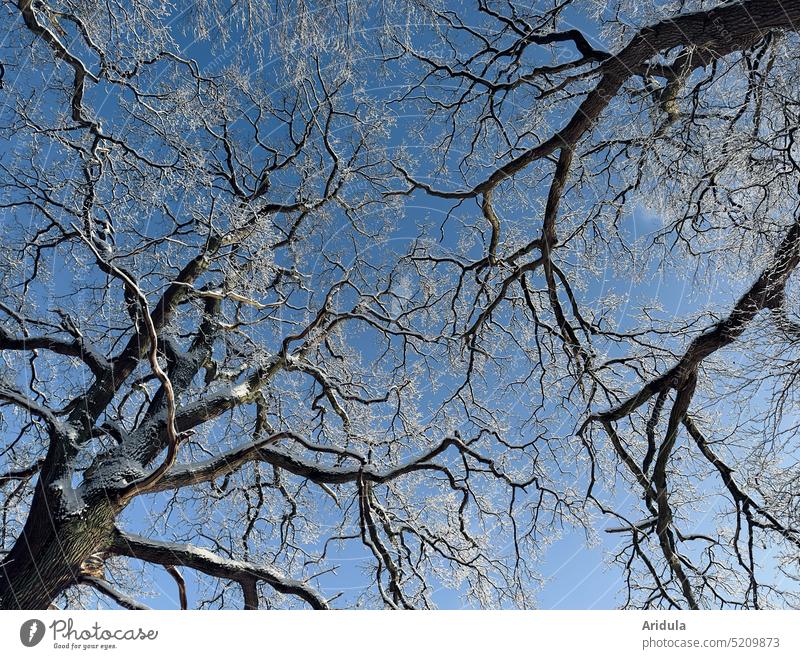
(291, 287)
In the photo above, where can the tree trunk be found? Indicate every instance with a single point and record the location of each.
(46, 558)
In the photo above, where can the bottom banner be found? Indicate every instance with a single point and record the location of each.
(398, 634)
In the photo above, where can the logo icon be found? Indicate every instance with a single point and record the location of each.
(31, 632)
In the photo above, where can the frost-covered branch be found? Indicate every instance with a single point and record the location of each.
(197, 558)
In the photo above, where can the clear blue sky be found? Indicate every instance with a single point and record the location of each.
(576, 576)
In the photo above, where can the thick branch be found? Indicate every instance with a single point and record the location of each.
(125, 601)
(197, 558)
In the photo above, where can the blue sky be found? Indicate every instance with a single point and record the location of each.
(576, 576)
